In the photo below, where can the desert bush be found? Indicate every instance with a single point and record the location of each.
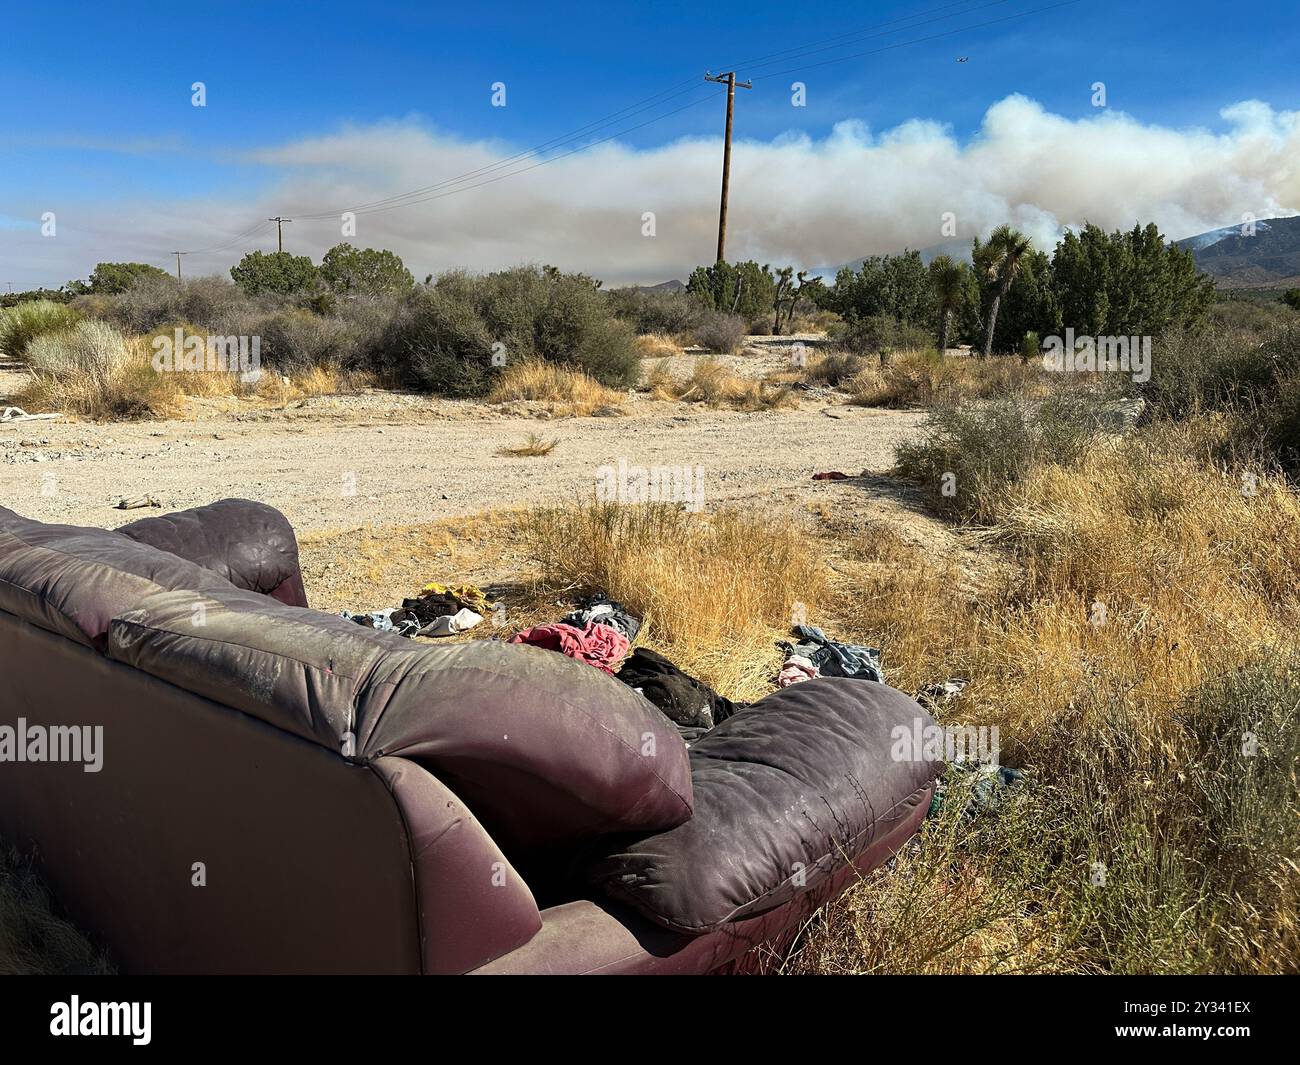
(91, 350)
(970, 454)
(721, 333)
(439, 343)
(444, 338)
(1234, 371)
(23, 323)
(93, 371)
(208, 302)
(835, 368)
(922, 378)
(294, 340)
(880, 334)
(656, 312)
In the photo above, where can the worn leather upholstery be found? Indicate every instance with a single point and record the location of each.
(786, 792)
(74, 581)
(356, 801)
(544, 749)
(251, 544)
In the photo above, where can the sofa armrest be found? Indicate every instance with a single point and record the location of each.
(473, 907)
(251, 544)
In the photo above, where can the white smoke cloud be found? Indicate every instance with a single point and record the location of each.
(794, 199)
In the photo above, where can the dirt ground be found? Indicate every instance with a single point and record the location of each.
(380, 458)
(372, 480)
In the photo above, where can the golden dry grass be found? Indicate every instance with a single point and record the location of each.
(565, 391)
(714, 385)
(659, 345)
(714, 591)
(132, 388)
(921, 378)
(533, 447)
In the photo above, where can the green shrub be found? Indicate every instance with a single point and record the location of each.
(21, 324)
(454, 336)
(721, 333)
(656, 312)
(746, 289)
(275, 272)
(207, 302)
(293, 340)
(880, 333)
(439, 343)
(968, 455)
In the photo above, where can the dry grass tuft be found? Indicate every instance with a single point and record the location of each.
(713, 384)
(566, 391)
(921, 379)
(714, 590)
(533, 447)
(659, 345)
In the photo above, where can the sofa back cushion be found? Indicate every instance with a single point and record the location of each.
(250, 544)
(787, 793)
(73, 581)
(543, 749)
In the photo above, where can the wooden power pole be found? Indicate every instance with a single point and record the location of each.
(279, 230)
(729, 79)
(178, 255)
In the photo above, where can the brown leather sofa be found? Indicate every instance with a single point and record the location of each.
(280, 790)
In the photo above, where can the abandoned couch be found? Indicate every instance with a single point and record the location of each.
(280, 790)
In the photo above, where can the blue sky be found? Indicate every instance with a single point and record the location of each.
(98, 109)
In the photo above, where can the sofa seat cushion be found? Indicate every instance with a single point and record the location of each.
(787, 792)
(543, 749)
(73, 581)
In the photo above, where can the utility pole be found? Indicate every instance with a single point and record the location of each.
(279, 229)
(729, 79)
(178, 255)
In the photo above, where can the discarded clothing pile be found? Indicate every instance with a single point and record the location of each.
(597, 608)
(596, 644)
(690, 704)
(817, 655)
(439, 610)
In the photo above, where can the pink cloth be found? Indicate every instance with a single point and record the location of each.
(597, 645)
(796, 669)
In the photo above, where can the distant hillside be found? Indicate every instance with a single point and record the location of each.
(1269, 259)
(664, 286)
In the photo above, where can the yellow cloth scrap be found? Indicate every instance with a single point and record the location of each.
(469, 595)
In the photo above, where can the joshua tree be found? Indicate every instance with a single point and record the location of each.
(949, 282)
(997, 262)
